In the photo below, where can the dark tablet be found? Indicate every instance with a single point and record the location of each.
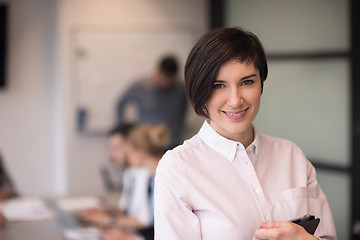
(309, 222)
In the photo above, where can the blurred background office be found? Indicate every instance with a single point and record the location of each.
(312, 47)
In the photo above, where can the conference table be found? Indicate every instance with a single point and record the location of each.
(47, 229)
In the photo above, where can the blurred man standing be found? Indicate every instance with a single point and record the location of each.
(158, 99)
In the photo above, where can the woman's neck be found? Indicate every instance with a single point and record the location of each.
(151, 163)
(245, 138)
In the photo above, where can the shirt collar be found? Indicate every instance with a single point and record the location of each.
(222, 145)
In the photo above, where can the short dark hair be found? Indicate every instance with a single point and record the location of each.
(213, 50)
(121, 129)
(168, 65)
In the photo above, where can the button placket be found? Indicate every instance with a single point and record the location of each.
(258, 193)
(246, 168)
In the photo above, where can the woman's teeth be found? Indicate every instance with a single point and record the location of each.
(236, 114)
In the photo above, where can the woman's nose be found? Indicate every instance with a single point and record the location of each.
(235, 98)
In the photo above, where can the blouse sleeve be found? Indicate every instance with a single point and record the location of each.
(174, 218)
(319, 207)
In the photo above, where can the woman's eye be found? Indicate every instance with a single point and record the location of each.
(218, 85)
(247, 82)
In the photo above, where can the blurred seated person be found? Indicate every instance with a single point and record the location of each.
(158, 99)
(133, 210)
(113, 171)
(145, 146)
(7, 189)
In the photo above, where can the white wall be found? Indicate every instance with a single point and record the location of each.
(38, 139)
(25, 105)
(86, 153)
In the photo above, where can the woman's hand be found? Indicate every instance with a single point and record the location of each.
(5, 194)
(96, 216)
(117, 234)
(281, 231)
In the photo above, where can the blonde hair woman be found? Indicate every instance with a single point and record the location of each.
(146, 144)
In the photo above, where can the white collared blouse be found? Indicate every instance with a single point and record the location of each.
(213, 188)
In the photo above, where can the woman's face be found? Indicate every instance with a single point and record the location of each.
(117, 149)
(134, 156)
(235, 99)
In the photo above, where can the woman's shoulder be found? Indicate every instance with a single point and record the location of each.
(271, 142)
(276, 140)
(136, 172)
(284, 151)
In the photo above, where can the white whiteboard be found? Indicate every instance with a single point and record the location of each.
(107, 61)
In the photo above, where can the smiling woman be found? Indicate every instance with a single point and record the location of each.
(235, 101)
(228, 181)
(217, 49)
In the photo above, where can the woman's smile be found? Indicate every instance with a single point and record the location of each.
(235, 115)
(235, 100)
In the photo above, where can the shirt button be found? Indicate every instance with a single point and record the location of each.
(257, 190)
